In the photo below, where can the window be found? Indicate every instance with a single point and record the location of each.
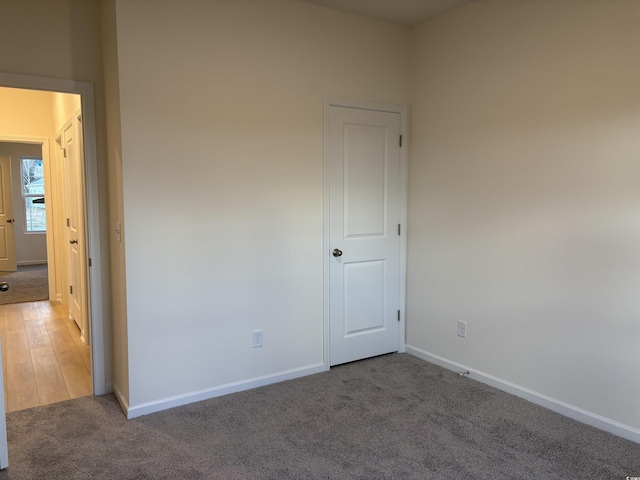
(33, 195)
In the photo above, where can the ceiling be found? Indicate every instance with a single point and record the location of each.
(402, 12)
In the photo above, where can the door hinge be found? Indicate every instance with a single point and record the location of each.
(64, 152)
(90, 263)
(68, 223)
(70, 289)
(399, 230)
(398, 315)
(401, 140)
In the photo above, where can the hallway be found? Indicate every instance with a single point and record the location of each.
(43, 359)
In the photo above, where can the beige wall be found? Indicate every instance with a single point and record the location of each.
(221, 109)
(64, 107)
(61, 38)
(25, 113)
(524, 197)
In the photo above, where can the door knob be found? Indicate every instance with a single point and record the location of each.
(4, 286)
(337, 252)
(73, 242)
(11, 220)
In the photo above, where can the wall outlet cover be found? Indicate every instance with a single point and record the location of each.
(462, 329)
(258, 337)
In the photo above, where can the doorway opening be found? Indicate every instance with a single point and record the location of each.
(46, 342)
(93, 250)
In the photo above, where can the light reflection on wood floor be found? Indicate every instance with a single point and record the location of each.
(43, 359)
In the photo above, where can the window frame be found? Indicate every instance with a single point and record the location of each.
(26, 196)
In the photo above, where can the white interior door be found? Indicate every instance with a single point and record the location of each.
(7, 223)
(364, 218)
(74, 204)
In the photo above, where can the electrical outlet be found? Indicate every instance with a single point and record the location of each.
(257, 338)
(462, 329)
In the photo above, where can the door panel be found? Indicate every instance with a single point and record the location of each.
(363, 297)
(364, 180)
(7, 225)
(364, 211)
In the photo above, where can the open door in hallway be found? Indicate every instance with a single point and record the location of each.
(7, 239)
(73, 172)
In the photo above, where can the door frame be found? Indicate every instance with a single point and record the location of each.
(329, 102)
(92, 212)
(44, 148)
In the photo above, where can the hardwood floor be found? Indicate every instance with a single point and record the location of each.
(43, 359)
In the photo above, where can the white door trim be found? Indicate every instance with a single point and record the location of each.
(329, 102)
(94, 284)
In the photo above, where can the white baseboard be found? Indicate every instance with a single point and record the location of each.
(558, 406)
(198, 396)
(32, 262)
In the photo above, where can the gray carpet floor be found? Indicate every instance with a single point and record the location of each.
(29, 284)
(391, 417)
